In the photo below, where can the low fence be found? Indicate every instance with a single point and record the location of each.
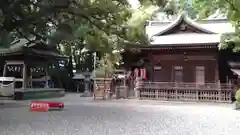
(185, 91)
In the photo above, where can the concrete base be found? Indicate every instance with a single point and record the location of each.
(121, 92)
(136, 93)
(38, 94)
(87, 94)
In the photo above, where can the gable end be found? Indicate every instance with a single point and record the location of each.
(183, 24)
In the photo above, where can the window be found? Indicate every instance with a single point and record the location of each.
(200, 74)
(178, 74)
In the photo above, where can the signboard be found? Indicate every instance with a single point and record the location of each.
(19, 68)
(39, 107)
(157, 68)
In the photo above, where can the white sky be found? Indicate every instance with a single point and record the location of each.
(135, 3)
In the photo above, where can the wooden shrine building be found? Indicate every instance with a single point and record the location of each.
(29, 66)
(183, 62)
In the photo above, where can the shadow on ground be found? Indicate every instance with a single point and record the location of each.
(11, 105)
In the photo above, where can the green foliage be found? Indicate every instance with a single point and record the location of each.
(6, 39)
(74, 25)
(237, 96)
(159, 3)
(105, 67)
(230, 8)
(106, 27)
(30, 18)
(204, 8)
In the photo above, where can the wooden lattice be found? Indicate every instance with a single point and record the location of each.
(185, 92)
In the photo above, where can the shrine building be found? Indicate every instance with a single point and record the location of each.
(183, 60)
(27, 71)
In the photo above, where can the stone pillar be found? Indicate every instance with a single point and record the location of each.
(137, 88)
(86, 85)
(87, 92)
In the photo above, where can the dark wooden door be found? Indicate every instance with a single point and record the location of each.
(158, 74)
(178, 74)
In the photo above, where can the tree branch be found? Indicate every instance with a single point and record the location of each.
(21, 34)
(232, 5)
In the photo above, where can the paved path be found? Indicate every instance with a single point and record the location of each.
(82, 116)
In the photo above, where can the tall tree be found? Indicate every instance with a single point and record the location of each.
(108, 29)
(41, 18)
(98, 25)
(229, 8)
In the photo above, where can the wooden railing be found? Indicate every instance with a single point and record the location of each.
(210, 92)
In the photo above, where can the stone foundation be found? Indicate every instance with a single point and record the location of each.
(39, 93)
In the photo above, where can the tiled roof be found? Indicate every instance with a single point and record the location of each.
(8, 51)
(21, 45)
(211, 32)
(47, 53)
(214, 25)
(183, 17)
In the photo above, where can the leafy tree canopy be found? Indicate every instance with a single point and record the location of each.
(231, 9)
(108, 28)
(94, 21)
(74, 25)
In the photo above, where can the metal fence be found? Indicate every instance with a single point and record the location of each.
(209, 92)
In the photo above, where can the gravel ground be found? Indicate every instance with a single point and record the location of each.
(82, 116)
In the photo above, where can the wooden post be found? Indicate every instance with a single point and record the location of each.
(24, 73)
(104, 81)
(176, 94)
(157, 93)
(77, 87)
(46, 77)
(197, 95)
(5, 70)
(124, 85)
(219, 94)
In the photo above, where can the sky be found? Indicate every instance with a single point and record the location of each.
(134, 3)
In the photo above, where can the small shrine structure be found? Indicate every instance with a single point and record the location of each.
(30, 66)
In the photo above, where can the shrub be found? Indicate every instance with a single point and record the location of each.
(237, 96)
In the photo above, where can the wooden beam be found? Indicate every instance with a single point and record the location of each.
(182, 57)
(201, 57)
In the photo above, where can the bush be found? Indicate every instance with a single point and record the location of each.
(237, 96)
(237, 105)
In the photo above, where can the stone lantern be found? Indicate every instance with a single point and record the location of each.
(87, 82)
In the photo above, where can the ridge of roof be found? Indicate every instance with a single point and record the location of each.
(200, 22)
(183, 17)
